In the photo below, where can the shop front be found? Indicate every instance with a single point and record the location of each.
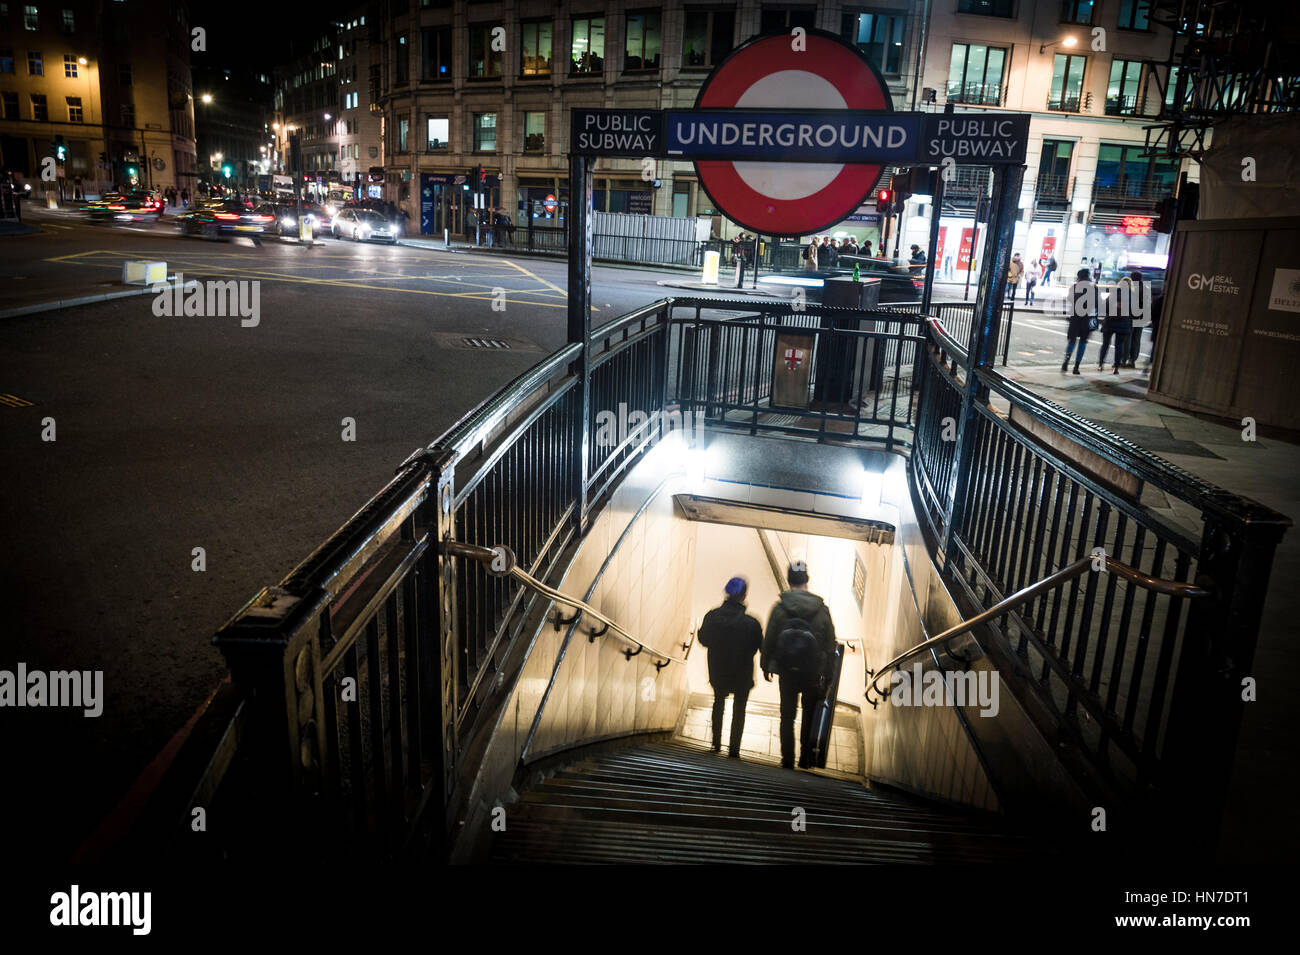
(1112, 240)
(447, 202)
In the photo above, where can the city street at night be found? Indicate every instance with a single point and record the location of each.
(779, 433)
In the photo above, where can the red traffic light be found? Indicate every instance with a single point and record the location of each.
(883, 196)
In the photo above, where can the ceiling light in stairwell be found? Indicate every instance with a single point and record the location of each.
(872, 482)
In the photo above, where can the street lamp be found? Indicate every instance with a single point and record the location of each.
(82, 60)
(1069, 42)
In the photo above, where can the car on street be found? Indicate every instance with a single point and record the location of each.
(135, 205)
(363, 225)
(214, 220)
(897, 281)
(284, 217)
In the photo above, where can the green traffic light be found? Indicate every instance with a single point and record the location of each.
(130, 170)
(225, 170)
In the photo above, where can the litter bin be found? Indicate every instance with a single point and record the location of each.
(842, 361)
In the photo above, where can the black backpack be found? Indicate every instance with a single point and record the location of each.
(797, 654)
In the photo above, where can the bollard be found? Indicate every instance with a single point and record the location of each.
(709, 276)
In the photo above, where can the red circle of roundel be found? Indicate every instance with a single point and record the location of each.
(858, 83)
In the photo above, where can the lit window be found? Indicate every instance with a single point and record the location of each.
(707, 38)
(69, 22)
(644, 41)
(483, 60)
(485, 132)
(6, 60)
(588, 50)
(31, 18)
(975, 74)
(1134, 14)
(439, 133)
(534, 132)
(535, 41)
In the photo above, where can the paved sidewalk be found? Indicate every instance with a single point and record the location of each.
(1267, 470)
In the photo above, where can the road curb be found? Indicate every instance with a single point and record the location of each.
(59, 304)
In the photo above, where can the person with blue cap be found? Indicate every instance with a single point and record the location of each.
(732, 637)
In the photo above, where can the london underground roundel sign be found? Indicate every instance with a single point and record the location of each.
(815, 71)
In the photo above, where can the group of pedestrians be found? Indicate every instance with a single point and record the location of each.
(798, 647)
(1031, 274)
(1121, 319)
(826, 254)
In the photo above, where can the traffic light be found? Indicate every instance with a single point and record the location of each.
(131, 170)
(884, 200)
(225, 170)
(480, 176)
(1166, 215)
(60, 149)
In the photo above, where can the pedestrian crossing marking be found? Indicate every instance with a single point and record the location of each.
(13, 401)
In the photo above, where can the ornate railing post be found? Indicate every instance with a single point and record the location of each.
(1215, 663)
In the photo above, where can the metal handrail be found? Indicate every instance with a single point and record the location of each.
(500, 562)
(1158, 585)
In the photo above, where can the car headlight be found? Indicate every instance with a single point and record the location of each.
(365, 230)
(287, 223)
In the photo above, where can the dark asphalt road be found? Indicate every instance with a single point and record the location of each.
(184, 432)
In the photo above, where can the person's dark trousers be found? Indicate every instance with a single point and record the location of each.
(1121, 346)
(1134, 346)
(741, 695)
(790, 693)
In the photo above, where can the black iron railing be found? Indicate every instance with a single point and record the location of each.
(362, 681)
(1129, 676)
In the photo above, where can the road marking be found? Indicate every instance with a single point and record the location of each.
(484, 292)
(13, 401)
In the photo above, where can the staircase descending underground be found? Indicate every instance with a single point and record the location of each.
(676, 802)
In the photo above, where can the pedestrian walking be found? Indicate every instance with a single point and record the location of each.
(1117, 325)
(798, 646)
(1140, 315)
(810, 256)
(1051, 267)
(1029, 288)
(732, 637)
(1083, 318)
(866, 248)
(1015, 272)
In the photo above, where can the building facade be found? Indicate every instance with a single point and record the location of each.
(468, 84)
(323, 97)
(107, 84)
(233, 129)
(1087, 71)
(491, 84)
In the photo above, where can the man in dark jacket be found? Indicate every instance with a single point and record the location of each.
(1081, 299)
(795, 616)
(732, 638)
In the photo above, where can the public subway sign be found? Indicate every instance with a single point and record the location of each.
(612, 133)
(812, 136)
(790, 133)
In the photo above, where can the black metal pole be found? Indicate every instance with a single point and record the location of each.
(936, 208)
(581, 246)
(982, 347)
